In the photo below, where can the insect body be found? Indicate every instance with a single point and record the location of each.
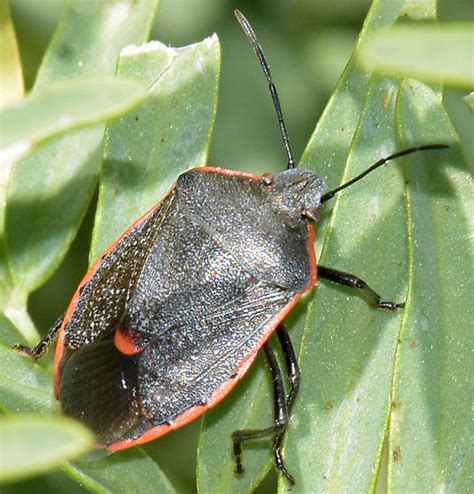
(174, 313)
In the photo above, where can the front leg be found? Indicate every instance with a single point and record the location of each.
(353, 281)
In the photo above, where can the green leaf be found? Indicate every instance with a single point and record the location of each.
(131, 471)
(63, 106)
(11, 84)
(358, 123)
(33, 444)
(347, 344)
(166, 135)
(441, 53)
(25, 386)
(11, 78)
(469, 99)
(9, 334)
(50, 191)
(337, 431)
(431, 426)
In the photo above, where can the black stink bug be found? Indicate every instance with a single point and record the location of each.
(174, 312)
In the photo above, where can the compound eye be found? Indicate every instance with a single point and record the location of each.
(268, 178)
(312, 213)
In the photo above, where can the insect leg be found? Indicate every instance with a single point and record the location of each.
(281, 419)
(353, 281)
(39, 350)
(293, 373)
(293, 370)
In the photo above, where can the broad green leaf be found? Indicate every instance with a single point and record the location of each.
(310, 446)
(32, 444)
(166, 135)
(60, 107)
(431, 427)
(442, 53)
(49, 191)
(11, 78)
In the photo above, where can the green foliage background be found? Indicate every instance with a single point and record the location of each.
(404, 231)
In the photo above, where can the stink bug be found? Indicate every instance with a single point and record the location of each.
(154, 335)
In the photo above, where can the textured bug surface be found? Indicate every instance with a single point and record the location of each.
(173, 314)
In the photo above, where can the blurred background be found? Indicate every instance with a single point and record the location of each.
(307, 43)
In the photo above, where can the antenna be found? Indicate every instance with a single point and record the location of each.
(332, 193)
(247, 28)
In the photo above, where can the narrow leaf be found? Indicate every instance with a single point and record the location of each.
(11, 78)
(469, 99)
(49, 192)
(431, 427)
(442, 53)
(125, 472)
(32, 444)
(61, 107)
(167, 134)
(349, 406)
(11, 90)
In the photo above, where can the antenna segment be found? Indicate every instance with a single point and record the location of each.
(247, 28)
